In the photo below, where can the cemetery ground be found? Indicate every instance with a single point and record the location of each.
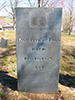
(8, 71)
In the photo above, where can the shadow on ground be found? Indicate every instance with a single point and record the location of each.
(9, 52)
(11, 82)
(69, 51)
(8, 81)
(67, 80)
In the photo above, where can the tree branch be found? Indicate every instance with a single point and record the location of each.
(8, 11)
(30, 3)
(2, 6)
(45, 3)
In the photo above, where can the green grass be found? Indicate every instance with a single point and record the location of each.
(10, 71)
(71, 62)
(9, 32)
(67, 34)
(15, 69)
(13, 61)
(6, 59)
(2, 95)
(6, 64)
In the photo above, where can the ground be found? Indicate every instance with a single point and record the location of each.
(5, 20)
(8, 71)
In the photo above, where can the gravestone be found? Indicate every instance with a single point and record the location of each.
(4, 43)
(38, 36)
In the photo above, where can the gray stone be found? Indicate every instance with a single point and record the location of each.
(4, 43)
(38, 36)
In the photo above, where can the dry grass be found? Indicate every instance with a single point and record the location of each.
(5, 20)
(8, 71)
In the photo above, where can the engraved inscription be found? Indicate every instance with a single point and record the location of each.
(33, 40)
(39, 59)
(38, 49)
(38, 67)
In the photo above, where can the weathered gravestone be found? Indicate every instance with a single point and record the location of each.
(38, 49)
(4, 42)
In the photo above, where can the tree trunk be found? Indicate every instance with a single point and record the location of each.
(38, 3)
(13, 23)
(70, 22)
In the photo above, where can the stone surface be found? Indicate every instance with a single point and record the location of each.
(38, 36)
(4, 43)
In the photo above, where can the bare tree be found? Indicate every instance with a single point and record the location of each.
(12, 5)
(48, 3)
(30, 3)
(2, 5)
(69, 16)
(71, 19)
